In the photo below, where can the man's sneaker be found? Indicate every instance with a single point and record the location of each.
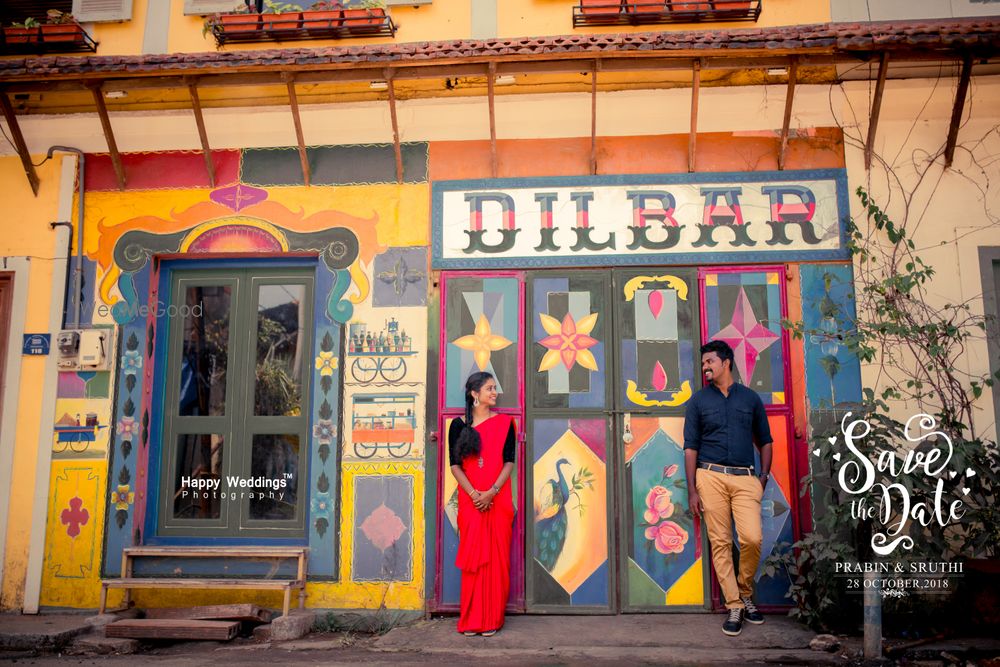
(734, 623)
(751, 613)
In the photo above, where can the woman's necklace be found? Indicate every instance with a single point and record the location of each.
(480, 462)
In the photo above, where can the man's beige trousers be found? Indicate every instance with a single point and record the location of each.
(726, 497)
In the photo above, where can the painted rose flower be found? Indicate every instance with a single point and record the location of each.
(326, 363)
(668, 537)
(123, 497)
(127, 427)
(324, 431)
(658, 505)
(131, 362)
(670, 471)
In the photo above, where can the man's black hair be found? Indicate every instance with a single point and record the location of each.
(721, 348)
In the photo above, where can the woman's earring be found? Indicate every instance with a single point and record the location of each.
(475, 403)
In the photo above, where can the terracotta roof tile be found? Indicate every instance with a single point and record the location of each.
(982, 34)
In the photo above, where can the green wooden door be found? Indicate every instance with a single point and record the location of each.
(235, 423)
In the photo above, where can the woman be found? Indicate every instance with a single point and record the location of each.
(481, 449)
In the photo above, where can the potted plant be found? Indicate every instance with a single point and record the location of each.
(365, 13)
(323, 14)
(599, 7)
(22, 33)
(240, 19)
(61, 27)
(281, 16)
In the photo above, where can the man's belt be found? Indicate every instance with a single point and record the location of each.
(728, 470)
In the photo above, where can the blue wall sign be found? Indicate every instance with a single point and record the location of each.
(36, 343)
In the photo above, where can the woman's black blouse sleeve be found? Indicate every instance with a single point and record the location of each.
(510, 445)
(453, 432)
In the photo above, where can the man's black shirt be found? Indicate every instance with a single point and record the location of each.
(723, 429)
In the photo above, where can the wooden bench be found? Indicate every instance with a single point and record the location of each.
(128, 582)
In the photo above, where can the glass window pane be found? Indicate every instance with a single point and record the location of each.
(280, 349)
(198, 479)
(275, 471)
(204, 350)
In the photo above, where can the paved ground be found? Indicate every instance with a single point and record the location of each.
(675, 639)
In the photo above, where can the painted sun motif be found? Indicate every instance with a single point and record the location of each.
(482, 343)
(569, 342)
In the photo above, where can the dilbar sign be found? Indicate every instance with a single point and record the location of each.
(640, 219)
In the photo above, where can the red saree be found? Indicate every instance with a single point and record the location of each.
(484, 537)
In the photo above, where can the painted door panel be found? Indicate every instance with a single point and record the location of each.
(569, 562)
(480, 331)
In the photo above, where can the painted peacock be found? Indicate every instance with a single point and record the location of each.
(550, 518)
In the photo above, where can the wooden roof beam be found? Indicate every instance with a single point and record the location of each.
(956, 113)
(293, 102)
(883, 68)
(491, 73)
(199, 119)
(695, 88)
(389, 75)
(19, 143)
(109, 135)
(793, 71)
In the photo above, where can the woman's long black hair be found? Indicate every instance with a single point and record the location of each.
(468, 439)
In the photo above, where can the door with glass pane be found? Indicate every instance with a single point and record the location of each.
(237, 382)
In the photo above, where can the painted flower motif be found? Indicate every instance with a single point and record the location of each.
(326, 363)
(482, 342)
(568, 342)
(668, 537)
(123, 497)
(127, 428)
(669, 471)
(322, 505)
(658, 505)
(324, 431)
(131, 362)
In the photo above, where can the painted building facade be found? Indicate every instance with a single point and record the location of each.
(292, 295)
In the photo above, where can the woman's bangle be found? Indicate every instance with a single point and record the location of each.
(495, 488)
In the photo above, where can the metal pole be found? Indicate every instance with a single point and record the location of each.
(873, 618)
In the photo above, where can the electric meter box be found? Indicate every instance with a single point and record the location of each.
(85, 349)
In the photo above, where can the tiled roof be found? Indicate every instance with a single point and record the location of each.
(980, 36)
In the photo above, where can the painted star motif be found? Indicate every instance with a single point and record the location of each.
(568, 342)
(746, 336)
(482, 343)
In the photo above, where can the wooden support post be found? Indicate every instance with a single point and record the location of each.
(956, 114)
(491, 76)
(293, 101)
(693, 136)
(19, 144)
(883, 68)
(395, 125)
(202, 133)
(593, 117)
(793, 70)
(109, 136)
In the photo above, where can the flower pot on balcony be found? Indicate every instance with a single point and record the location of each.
(322, 20)
(20, 35)
(282, 22)
(599, 7)
(645, 6)
(688, 6)
(732, 5)
(240, 22)
(62, 32)
(363, 17)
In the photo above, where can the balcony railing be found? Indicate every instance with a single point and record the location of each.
(45, 38)
(640, 12)
(295, 26)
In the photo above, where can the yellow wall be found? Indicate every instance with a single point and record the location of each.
(27, 233)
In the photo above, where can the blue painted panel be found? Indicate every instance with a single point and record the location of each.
(833, 373)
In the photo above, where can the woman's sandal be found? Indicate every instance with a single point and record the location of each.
(470, 634)
(489, 633)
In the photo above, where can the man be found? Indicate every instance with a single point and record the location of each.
(722, 422)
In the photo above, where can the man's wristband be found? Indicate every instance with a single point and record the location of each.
(764, 475)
